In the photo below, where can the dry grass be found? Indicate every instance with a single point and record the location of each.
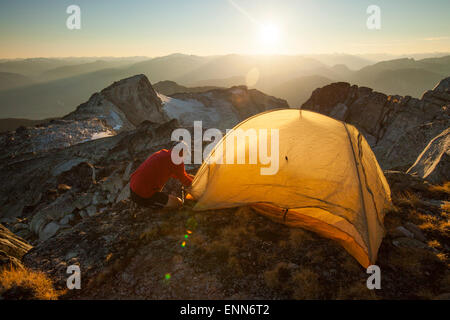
(408, 199)
(441, 189)
(26, 284)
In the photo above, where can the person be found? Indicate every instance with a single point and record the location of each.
(147, 182)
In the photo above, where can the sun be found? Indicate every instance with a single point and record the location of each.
(269, 34)
(269, 38)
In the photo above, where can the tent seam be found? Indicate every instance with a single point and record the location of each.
(369, 245)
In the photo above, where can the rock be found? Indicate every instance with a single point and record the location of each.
(433, 164)
(123, 105)
(64, 187)
(83, 214)
(402, 232)
(53, 212)
(67, 219)
(12, 211)
(83, 200)
(91, 210)
(409, 243)
(339, 111)
(49, 231)
(418, 234)
(401, 182)
(397, 128)
(219, 108)
(19, 226)
(127, 172)
(66, 166)
(113, 184)
(124, 194)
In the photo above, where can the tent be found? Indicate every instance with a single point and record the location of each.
(328, 179)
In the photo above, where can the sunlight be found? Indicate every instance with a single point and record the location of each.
(270, 38)
(269, 34)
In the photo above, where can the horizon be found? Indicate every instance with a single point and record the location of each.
(399, 55)
(209, 28)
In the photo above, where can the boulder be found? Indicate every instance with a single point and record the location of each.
(49, 231)
(409, 243)
(433, 164)
(401, 181)
(53, 212)
(400, 232)
(418, 234)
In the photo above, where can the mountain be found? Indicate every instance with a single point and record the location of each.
(13, 80)
(32, 67)
(397, 128)
(234, 65)
(65, 205)
(219, 108)
(403, 76)
(11, 124)
(354, 62)
(76, 80)
(298, 90)
(170, 67)
(35, 68)
(68, 71)
(123, 105)
(55, 98)
(168, 88)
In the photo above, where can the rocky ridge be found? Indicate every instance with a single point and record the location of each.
(397, 128)
(72, 205)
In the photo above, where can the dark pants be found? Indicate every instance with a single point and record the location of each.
(158, 200)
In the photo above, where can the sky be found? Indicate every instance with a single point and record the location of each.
(210, 27)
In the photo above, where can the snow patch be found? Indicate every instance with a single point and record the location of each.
(103, 134)
(117, 120)
(219, 115)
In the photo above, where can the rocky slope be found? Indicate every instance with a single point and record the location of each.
(219, 108)
(397, 128)
(123, 105)
(71, 204)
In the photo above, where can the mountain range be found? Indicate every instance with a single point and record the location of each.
(49, 87)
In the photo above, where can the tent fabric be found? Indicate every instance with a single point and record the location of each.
(328, 180)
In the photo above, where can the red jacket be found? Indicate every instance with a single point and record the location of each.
(153, 173)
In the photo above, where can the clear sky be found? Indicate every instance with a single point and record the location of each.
(206, 27)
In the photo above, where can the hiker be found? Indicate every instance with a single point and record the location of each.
(148, 180)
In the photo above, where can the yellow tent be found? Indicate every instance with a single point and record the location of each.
(328, 179)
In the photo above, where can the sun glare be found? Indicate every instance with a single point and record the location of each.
(269, 34)
(269, 38)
